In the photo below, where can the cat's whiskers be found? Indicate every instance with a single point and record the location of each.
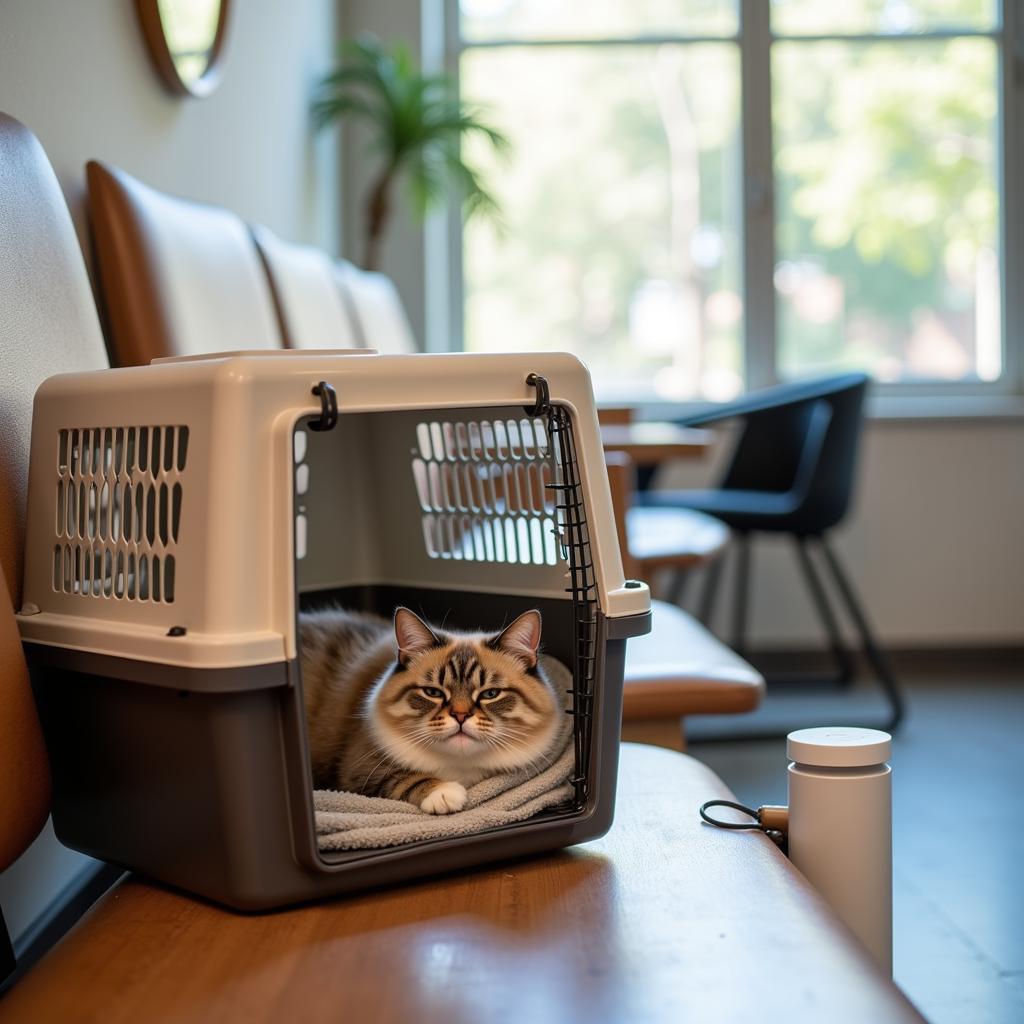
(421, 741)
(508, 744)
(370, 753)
(515, 745)
(366, 781)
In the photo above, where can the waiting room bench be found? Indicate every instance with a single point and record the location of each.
(664, 919)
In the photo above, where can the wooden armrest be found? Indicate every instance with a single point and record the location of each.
(680, 669)
(621, 472)
(617, 415)
(662, 919)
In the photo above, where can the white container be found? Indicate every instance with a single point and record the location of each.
(840, 826)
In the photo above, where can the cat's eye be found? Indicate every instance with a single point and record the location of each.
(490, 694)
(433, 691)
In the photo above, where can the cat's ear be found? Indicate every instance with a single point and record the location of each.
(413, 635)
(521, 639)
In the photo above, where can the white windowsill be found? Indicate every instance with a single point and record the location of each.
(945, 407)
(882, 408)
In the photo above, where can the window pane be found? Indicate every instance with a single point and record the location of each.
(621, 214)
(594, 19)
(808, 17)
(887, 208)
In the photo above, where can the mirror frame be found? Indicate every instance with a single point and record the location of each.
(160, 53)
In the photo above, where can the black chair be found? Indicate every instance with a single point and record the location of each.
(791, 472)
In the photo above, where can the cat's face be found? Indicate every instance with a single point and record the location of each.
(461, 701)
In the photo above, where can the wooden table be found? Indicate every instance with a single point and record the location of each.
(664, 919)
(679, 668)
(650, 443)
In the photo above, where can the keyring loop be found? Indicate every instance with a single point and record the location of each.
(328, 407)
(730, 824)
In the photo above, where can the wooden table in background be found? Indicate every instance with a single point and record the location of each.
(651, 443)
(664, 919)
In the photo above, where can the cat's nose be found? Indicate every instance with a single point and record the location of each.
(459, 716)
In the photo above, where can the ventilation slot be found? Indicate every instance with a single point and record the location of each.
(485, 491)
(119, 507)
(301, 445)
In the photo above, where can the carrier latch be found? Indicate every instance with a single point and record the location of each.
(543, 404)
(328, 407)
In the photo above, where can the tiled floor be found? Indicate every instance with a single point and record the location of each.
(958, 774)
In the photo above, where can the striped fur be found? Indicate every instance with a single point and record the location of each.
(410, 712)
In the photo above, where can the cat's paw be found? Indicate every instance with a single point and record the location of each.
(445, 798)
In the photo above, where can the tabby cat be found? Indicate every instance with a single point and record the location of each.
(414, 713)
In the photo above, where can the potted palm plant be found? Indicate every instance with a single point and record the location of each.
(417, 124)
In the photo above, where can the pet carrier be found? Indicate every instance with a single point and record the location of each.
(182, 514)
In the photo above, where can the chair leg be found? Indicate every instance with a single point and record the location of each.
(677, 586)
(872, 651)
(7, 961)
(710, 592)
(739, 620)
(825, 613)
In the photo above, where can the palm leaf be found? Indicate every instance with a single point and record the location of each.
(329, 109)
(426, 183)
(476, 197)
(418, 124)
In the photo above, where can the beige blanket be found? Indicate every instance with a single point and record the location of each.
(348, 821)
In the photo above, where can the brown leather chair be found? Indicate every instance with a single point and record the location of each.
(47, 324)
(24, 770)
(178, 277)
(381, 322)
(313, 309)
(48, 318)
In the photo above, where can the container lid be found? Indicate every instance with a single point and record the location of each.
(838, 746)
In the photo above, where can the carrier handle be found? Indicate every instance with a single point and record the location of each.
(328, 407)
(543, 403)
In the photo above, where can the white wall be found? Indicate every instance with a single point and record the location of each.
(78, 75)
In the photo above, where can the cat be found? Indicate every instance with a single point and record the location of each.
(411, 712)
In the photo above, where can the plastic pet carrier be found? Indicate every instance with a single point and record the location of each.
(182, 514)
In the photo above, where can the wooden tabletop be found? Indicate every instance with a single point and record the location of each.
(650, 443)
(664, 919)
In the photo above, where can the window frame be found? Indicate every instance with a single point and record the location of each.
(754, 39)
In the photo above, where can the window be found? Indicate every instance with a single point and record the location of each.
(706, 195)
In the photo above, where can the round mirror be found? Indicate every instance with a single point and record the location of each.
(186, 41)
